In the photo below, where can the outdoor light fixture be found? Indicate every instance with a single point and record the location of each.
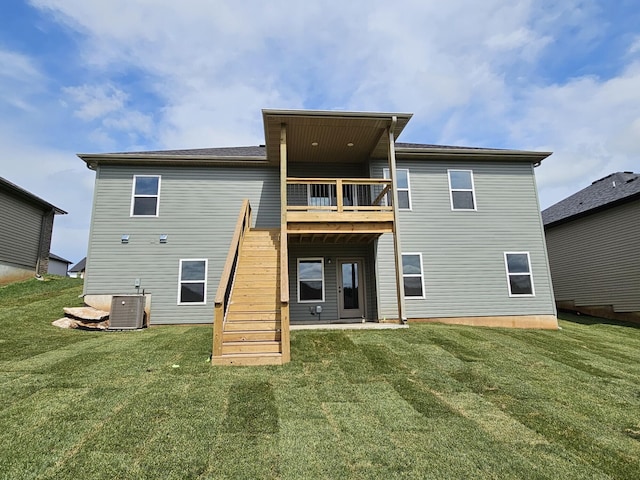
(163, 238)
(124, 238)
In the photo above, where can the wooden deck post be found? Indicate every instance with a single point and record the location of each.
(396, 227)
(284, 250)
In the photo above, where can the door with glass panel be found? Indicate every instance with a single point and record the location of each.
(350, 288)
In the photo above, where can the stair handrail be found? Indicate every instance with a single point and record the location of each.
(223, 293)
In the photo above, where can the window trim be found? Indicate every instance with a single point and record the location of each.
(134, 196)
(180, 281)
(386, 174)
(530, 273)
(472, 190)
(303, 259)
(413, 275)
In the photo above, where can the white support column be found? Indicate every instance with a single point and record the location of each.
(396, 227)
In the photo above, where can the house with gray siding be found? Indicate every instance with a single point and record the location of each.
(594, 252)
(26, 226)
(58, 265)
(330, 221)
(77, 271)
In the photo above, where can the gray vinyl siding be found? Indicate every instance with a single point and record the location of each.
(198, 210)
(463, 251)
(20, 231)
(595, 260)
(300, 311)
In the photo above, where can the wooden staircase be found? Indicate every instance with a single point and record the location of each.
(251, 333)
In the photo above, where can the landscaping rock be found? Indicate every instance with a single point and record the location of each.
(65, 322)
(93, 325)
(88, 314)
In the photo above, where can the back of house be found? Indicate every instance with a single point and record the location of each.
(353, 225)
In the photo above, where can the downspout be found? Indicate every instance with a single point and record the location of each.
(396, 227)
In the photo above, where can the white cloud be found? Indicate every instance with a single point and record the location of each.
(471, 72)
(20, 78)
(95, 101)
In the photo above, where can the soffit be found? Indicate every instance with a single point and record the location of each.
(339, 136)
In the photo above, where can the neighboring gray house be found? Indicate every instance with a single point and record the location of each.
(58, 265)
(77, 271)
(593, 239)
(330, 221)
(26, 225)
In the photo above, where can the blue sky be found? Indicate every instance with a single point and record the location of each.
(118, 75)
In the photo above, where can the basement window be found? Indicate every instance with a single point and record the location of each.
(192, 284)
(310, 280)
(146, 196)
(412, 275)
(519, 274)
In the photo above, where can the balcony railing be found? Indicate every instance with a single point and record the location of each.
(338, 195)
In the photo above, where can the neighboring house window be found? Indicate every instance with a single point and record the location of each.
(463, 196)
(404, 189)
(193, 282)
(146, 196)
(519, 273)
(310, 280)
(412, 275)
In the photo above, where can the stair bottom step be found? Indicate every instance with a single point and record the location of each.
(248, 359)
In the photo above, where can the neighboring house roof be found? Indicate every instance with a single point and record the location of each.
(78, 267)
(59, 259)
(28, 196)
(614, 189)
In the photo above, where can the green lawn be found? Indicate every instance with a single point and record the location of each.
(431, 401)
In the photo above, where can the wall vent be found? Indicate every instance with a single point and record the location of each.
(127, 312)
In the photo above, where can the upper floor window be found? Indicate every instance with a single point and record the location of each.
(310, 280)
(404, 189)
(463, 195)
(193, 282)
(519, 273)
(412, 275)
(146, 196)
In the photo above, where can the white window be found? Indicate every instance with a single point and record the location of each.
(192, 285)
(463, 196)
(310, 280)
(404, 189)
(145, 198)
(519, 276)
(412, 275)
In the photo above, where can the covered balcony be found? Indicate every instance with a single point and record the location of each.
(338, 209)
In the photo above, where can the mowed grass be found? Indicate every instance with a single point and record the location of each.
(431, 401)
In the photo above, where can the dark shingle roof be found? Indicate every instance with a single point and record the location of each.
(53, 256)
(28, 196)
(612, 189)
(260, 150)
(78, 267)
(401, 145)
(252, 151)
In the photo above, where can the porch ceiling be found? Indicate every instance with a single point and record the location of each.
(327, 136)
